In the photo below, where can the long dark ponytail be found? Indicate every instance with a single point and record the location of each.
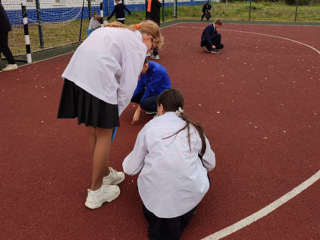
(172, 101)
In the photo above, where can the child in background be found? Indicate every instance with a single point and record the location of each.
(174, 155)
(206, 11)
(153, 13)
(119, 11)
(5, 28)
(211, 39)
(94, 21)
(99, 82)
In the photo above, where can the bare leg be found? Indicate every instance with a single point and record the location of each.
(99, 145)
(92, 139)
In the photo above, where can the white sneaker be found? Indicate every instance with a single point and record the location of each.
(215, 51)
(114, 177)
(148, 54)
(10, 67)
(149, 113)
(106, 193)
(155, 115)
(156, 57)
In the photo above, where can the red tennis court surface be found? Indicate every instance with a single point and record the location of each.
(258, 101)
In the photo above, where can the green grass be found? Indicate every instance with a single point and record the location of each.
(262, 11)
(59, 35)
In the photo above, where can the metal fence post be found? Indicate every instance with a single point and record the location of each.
(175, 9)
(297, 3)
(80, 32)
(250, 10)
(26, 30)
(89, 9)
(107, 8)
(39, 23)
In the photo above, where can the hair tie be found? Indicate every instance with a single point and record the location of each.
(179, 111)
(137, 26)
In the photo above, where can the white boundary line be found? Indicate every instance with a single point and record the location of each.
(264, 211)
(263, 34)
(280, 201)
(268, 35)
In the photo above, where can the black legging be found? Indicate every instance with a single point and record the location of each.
(4, 47)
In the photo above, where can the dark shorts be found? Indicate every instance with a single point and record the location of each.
(76, 102)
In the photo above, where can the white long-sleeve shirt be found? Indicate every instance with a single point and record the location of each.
(93, 24)
(172, 180)
(107, 65)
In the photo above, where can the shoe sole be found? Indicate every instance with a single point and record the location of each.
(9, 70)
(95, 206)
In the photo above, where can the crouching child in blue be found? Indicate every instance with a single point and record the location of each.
(154, 79)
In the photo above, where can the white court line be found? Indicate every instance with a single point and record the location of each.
(263, 34)
(269, 35)
(264, 211)
(279, 202)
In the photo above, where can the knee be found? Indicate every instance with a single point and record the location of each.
(91, 131)
(135, 100)
(144, 105)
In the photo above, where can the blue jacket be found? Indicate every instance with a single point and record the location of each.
(207, 34)
(154, 82)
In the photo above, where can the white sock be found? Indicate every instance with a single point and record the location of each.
(97, 191)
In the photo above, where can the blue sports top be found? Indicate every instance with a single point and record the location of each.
(154, 82)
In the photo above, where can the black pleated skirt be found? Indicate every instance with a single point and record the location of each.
(166, 228)
(91, 111)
